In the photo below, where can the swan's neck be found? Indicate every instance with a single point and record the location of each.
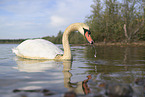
(65, 42)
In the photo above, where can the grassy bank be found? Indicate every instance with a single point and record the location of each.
(141, 43)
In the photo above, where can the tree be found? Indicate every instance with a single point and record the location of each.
(112, 20)
(133, 18)
(116, 20)
(95, 20)
(58, 39)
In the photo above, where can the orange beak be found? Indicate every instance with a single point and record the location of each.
(88, 37)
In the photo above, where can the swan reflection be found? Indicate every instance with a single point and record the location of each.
(27, 65)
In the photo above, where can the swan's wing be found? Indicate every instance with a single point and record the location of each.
(37, 49)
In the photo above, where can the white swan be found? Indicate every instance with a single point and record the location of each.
(43, 49)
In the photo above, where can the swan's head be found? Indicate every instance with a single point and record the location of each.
(84, 30)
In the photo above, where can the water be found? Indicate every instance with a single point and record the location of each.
(86, 75)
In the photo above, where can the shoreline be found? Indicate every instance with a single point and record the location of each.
(121, 44)
(141, 43)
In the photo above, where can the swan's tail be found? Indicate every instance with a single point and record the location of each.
(15, 51)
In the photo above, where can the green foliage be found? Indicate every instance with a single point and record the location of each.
(117, 21)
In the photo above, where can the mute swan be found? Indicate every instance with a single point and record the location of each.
(43, 49)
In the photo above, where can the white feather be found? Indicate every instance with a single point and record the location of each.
(37, 49)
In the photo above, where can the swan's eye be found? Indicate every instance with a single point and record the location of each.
(86, 30)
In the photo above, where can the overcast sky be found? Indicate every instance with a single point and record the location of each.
(39, 18)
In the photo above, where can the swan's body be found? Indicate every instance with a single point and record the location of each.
(42, 49)
(37, 49)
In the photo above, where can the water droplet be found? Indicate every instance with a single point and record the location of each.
(95, 51)
(95, 56)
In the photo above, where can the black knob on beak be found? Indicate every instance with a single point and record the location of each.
(92, 42)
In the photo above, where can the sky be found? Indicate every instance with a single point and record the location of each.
(20, 19)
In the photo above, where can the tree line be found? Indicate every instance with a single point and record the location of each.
(11, 41)
(117, 20)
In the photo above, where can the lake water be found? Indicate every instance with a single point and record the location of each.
(86, 75)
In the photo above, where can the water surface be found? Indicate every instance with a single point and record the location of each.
(120, 65)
